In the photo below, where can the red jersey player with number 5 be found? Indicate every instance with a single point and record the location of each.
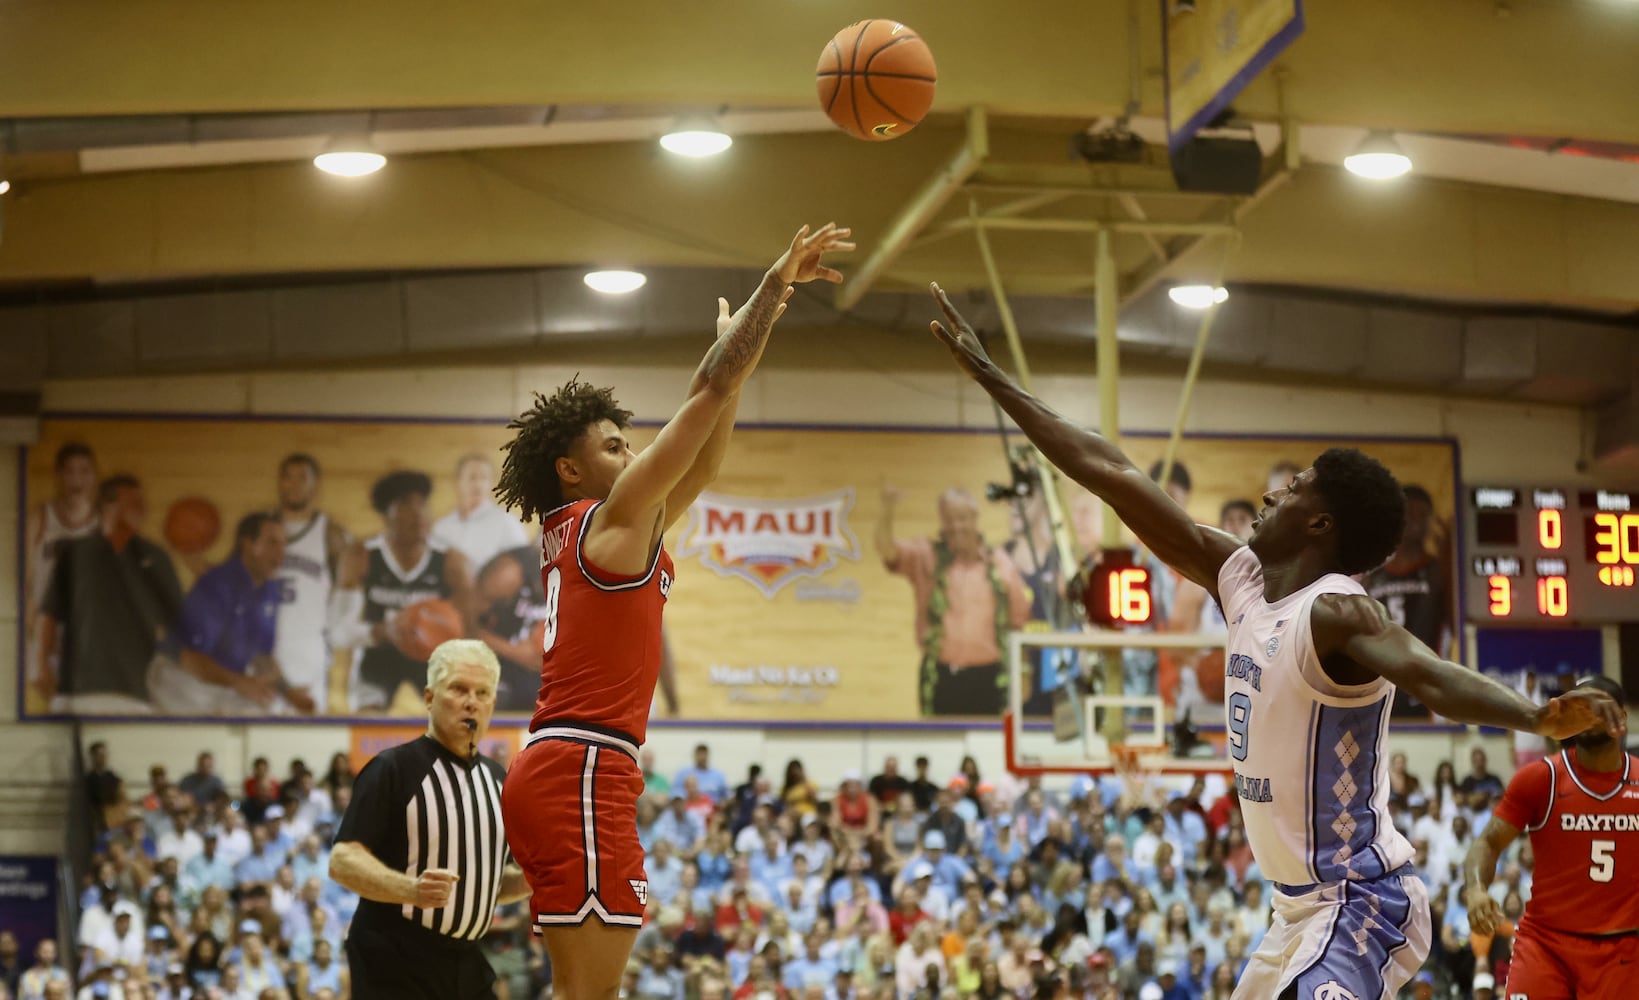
(570, 801)
(1579, 937)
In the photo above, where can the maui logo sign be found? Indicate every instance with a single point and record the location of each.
(770, 543)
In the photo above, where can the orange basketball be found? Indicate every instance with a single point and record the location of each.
(192, 525)
(424, 625)
(876, 79)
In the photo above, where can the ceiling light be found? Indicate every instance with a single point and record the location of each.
(614, 282)
(5, 186)
(1197, 296)
(1378, 157)
(696, 142)
(350, 156)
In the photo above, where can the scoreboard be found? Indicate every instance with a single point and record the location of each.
(1552, 554)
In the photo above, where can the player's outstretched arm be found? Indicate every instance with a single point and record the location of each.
(706, 464)
(1194, 550)
(640, 491)
(1359, 628)
(1479, 867)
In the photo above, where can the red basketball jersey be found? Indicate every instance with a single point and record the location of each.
(602, 645)
(1584, 828)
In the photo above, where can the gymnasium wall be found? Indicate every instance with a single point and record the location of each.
(1496, 441)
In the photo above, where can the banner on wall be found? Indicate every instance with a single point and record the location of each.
(842, 575)
(28, 898)
(1545, 662)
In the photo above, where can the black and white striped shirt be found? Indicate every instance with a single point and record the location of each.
(419, 806)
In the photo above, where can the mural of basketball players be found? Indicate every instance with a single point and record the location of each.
(314, 544)
(1415, 585)
(398, 570)
(478, 528)
(112, 599)
(968, 598)
(227, 665)
(69, 512)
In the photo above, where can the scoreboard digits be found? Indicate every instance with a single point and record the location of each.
(1553, 554)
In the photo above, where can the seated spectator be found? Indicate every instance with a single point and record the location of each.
(699, 936)
(798, 794)
(202, 784)
(234, 841)
(809, 968)
(204, 962)
(677, 824)
(122, 941)
(31, 985)
(205, 869)
(752, 836)
(917, 957)
(857, 813)
(815, 845)
(888, 786)
(1125, 941)
(264, 861)
(323, 972)
(665, 871)
(708, 779)
(256, 969)
(944, 819)
(860, 915)
(902, 831)
(261, 790)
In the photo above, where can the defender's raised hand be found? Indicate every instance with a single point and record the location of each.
(801, 262)
(959, 337)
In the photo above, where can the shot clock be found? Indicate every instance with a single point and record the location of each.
(1547, 554)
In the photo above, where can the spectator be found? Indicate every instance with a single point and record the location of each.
(261, 790)
(202, 783)
(233, 838)
(903, 829)
(946, 822)
(323, 972)
(917, 957)
(257, 970)
(204, 964)
(682, 828)
(709, 780)
(890, 784)
(1479, 778)
(748, 795)
(923, 790)
(856, 812)
(809, 968)
(103, 788)
(31, 985)
(180, 841)
(654, 783)
(264, 861)
(798, 794)
(339, 775)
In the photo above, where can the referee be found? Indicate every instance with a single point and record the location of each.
(422, 845)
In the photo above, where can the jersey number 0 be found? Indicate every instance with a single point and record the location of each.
(549, 630)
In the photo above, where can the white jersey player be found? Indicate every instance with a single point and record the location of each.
(70, 513)
(1310, 671)
(314, 543)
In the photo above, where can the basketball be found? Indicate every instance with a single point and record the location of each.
(876, 79)
(1209, 675)
(192, 525)
(424, 625)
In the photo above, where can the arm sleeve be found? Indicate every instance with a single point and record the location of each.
(371, 812)
(1526, 801)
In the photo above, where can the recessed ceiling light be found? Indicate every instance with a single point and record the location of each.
(1378, 158)
(1197, 296)
(614, 282)
(5, 186)
(696, 142)
(350, 156)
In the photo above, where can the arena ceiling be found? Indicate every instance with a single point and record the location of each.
(168, 141)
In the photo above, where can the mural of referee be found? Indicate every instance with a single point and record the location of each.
(423, 846)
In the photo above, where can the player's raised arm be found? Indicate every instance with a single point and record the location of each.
(636, 500)
(1357, 627)
(1195, 550)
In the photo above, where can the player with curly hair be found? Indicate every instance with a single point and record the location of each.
(1310, 672)
(570, 801)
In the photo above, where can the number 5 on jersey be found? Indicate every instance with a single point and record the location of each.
(1603, 855)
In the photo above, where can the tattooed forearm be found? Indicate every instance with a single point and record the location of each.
(731, 359)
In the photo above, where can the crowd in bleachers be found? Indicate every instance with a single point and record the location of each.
(900, 887)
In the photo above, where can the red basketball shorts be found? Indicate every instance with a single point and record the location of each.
(570, 807)
(1552, 965)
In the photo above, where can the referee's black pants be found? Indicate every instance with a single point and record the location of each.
(412, 963)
